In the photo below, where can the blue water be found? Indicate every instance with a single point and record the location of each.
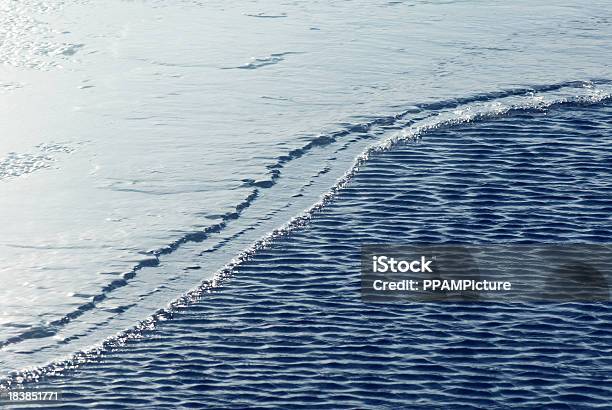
(146, 144)
(286, 328)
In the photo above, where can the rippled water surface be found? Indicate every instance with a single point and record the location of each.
(289, 329)
(145, 145)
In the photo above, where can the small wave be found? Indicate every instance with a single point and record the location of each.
(259, 62)
(10, 86)
(263, 15)
(437, 115)
(43, 51)
(15, 164)
(153, 260)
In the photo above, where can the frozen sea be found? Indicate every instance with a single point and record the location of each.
(147, 147)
